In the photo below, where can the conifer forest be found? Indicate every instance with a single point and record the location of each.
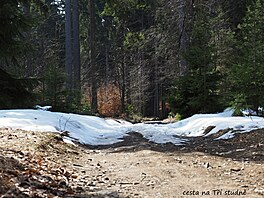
(145, 58)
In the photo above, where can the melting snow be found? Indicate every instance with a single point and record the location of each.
(97, 131)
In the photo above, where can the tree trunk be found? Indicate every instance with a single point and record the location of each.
(182, 36)
(94, 105)
(68, 44)
(156, 83)
(76, 49)
(156, 89)
(123, 85)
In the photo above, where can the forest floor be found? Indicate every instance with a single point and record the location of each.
(34, 164)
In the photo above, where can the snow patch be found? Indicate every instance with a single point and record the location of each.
(93, 130)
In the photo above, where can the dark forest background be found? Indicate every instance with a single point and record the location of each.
(146, 58)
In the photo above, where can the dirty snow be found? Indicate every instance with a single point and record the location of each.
(97, 131)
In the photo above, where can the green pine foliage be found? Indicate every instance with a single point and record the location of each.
(13, 23)
(15, 93)
(197, 91)
(52, 92)
(247, 73)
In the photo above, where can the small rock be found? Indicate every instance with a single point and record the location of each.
(92, 184)
(78, 165)
(235, 169)
(244, 186)
(79, 188)
(62, 183)
(207, 165)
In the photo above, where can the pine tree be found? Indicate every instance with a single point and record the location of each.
(248, 71)
(196, 91)
(15, 92)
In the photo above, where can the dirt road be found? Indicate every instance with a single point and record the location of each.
(41, 165)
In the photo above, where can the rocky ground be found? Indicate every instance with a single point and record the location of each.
(34, 164)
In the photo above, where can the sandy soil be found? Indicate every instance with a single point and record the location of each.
(41, 165)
